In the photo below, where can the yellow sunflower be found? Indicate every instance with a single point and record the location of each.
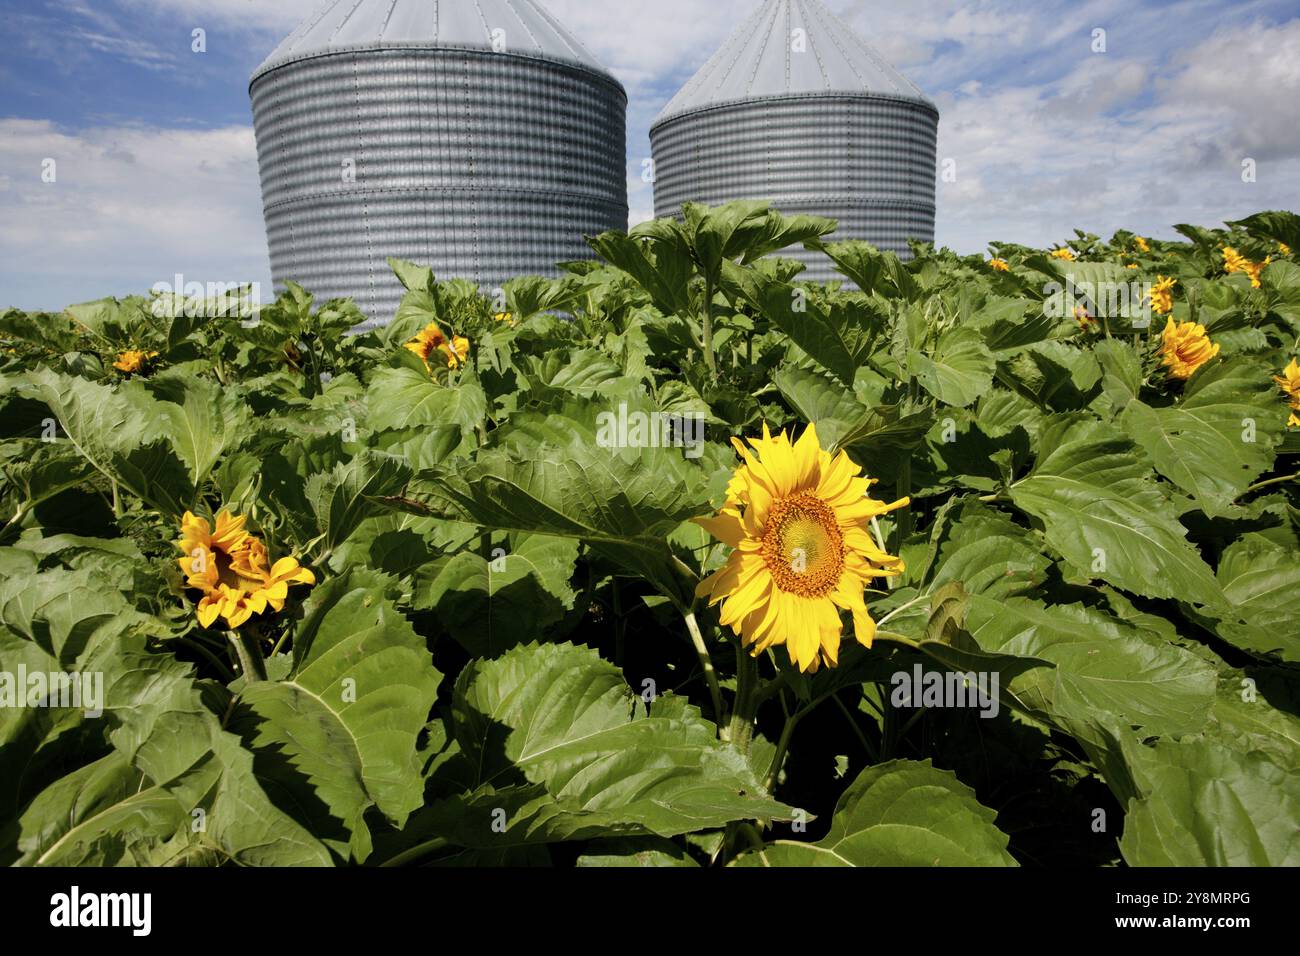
(999, 265)
(1234, 261)
(1290, 382)
(1063, 253)
(799, 521)
(1185, 347)
(132, 361)
(1284, 248)
(232, 569)
(1141, 244)
(1162, 297)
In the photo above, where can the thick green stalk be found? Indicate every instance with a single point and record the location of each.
(250, 657)
(741, 730)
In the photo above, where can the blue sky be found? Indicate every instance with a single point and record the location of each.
(157, 170)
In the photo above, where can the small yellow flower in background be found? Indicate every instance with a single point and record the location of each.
(232, 569)
(800, 523)
(1285, 249)
(1234, 261)
(999, 265)
(1185, 347)
(457, 350)
(1063, 253)
(1162, 298)
(1141, 243)
(132, 361)
(505, 317)
(1131, 265)
(1290, 382)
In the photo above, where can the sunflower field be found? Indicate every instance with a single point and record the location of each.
(676, 560)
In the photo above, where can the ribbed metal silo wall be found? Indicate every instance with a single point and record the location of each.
(482, 165)
(867, 161)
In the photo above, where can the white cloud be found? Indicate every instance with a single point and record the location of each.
(1046, 134)
(131, 206)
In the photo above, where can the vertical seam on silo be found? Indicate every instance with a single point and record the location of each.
(762, 49)
(473, 169)
(320, 15)
(734, 62)
(887, 71)
(422, 178)
(789, 48)
(829, 30)
(384, 27)
(572, 42)
(342, 23)
(536, 42)
(365, 204)
(473, 165)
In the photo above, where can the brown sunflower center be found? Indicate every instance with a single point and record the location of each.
(225, 573)
(803, 546)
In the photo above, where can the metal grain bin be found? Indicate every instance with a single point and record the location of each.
(475, 136)
(797, 109)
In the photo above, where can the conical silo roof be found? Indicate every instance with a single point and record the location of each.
(344, 26)
(766, 58)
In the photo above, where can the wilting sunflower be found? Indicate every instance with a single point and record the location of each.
(999, 265)
(1290, 382)
(457, 351)
(1184, 348)
(1063, 253)
(1162, 295)
(428, 341)
(1083, 318)
(431, 339)
(132, 361)
(232, 569)
(799, 521)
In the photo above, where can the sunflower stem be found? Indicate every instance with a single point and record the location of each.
(894, 638)
(782, 745)
(1270, 483)
(706, 662)
(250, 657)
(741, 729)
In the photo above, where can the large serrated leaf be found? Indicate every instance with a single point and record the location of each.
(1206, 804)
(341, 728)
(959, 371)
(1100, 510)
(559, 717)
(1219, 438)
(900, 813)
(506, 594)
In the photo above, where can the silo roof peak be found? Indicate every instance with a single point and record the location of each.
(790, 48)
(340, 26)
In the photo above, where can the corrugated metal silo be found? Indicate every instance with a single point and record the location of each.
(475, 136)
(797, 109)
